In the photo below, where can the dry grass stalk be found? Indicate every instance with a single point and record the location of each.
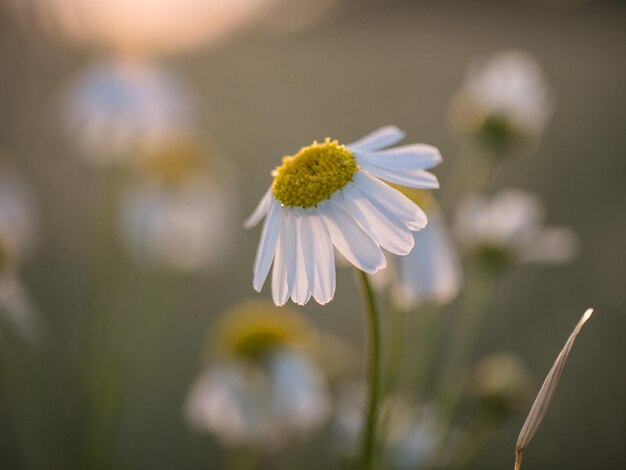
(540, 406)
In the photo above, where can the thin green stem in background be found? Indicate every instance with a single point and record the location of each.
(465, 334)
(394, 362)
(369, 432)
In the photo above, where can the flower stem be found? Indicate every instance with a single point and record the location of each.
(369, 432)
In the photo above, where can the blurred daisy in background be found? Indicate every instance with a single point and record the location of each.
(504, 103)
(17, 237)
(509, 227)
(410, 434)
(328, 195)
(414, 435)
(261, 388)
(179, 212)
(432, 271)
(498, 388)
(117, 108)
(420, 436)
(500, 382)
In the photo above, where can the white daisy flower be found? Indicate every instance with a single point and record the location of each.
(432, 271)
(263, 389)
(510, 227)
(504, 100)
(332, 195)
(117, 108)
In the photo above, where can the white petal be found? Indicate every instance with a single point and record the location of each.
(432, 271)
(380, 138)
(393, 200)
(350, 239)
(301, 292)
(319, 258)
(267, 245)
(283, 275)
(261, 210)
(407, 157)
(383, 226)
(419, 179)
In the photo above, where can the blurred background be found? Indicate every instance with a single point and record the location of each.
(122, 311)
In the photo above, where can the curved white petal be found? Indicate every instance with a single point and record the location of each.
(319, 258)
(392, 200)
(419, 179)
(380, 138)
(432, 271)
(406, 157)
(267, 245)
(301, 292)
(382, 225)
(261, 210)
(350, 239)
(283, 275)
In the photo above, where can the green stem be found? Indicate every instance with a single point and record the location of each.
(394, 364)
(369, 433)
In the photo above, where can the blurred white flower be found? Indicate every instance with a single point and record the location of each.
(141, 26)
(185, 227)
(263, 389)
(17, 236)
(410, 434)
(504, 101)
(500, 382)
(329, 194)
(431, 272)
(116, 108)
(414, 437)
(510, 227)
(18, 226)
(180, 210)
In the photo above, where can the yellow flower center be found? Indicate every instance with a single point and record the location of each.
(313, 174)
(255, 329)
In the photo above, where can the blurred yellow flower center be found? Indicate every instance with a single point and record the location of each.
(254, 330)
(174, 162)
(258, 344)
(313, 174)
